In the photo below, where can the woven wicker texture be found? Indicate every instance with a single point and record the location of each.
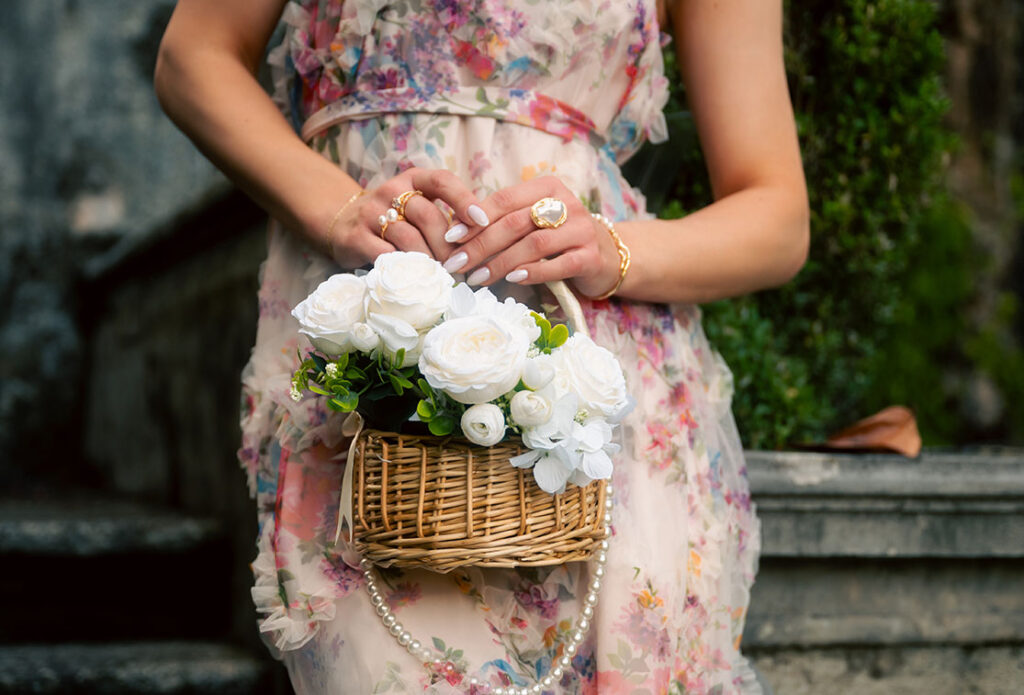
(441, 503)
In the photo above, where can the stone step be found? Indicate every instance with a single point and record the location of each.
(940, 505)
(160, 668)
(86, 568)
(883, 550)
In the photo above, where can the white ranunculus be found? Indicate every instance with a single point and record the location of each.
(364, 338)
(482, 302)
(483, 424)
(395, 334)
(593, 374)
(473, 359)
(538, 372)
(530, 409)
(328, 315)
(409, 286)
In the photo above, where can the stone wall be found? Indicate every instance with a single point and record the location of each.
(88, 159)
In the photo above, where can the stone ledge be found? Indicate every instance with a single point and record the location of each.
(90, 527)
(943, 504)
(164, 668)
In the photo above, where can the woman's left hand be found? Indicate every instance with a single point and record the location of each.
(514, 248)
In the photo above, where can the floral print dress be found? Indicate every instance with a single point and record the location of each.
(499, 92)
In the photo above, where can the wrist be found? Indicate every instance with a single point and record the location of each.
(616, 259)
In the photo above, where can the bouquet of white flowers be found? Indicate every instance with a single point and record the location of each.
(404, 343)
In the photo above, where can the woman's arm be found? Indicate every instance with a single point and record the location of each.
(755, 234)
(205, 82)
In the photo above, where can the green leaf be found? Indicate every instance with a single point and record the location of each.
(320, 362)
(441, 425)
(354, 373)
(559, 334)
(439, 645)
(426, 390)
(426, 410)
(396, 384)
(317, 389)
(399, 357)
(403, 381)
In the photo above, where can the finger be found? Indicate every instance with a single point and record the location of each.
(500, 235)
(532, 248)
(570, 264)
(405, 237)
(399, 235)
(523, 195)
(444, 185)
(428, 218)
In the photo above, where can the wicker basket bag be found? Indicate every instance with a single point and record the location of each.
(441, 503)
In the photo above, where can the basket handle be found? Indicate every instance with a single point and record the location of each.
(570, 305)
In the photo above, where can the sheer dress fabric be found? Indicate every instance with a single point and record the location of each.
(498, 93)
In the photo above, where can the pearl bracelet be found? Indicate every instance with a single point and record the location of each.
(624, 255)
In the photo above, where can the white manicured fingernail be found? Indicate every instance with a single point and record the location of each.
(516, 275)
(453, 264)
(478, 276)
(477, 214)
(455, 233)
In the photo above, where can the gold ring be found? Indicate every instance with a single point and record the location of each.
(399, 202)
(549, 213)
(389, 216)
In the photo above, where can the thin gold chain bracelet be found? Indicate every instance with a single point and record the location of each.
(624, 256)
(342, 209)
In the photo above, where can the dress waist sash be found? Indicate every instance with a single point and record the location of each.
(521, 106)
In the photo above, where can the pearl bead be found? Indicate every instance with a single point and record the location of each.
(608, 504)
(565, 661)
(583, 624)
(414, 646)
(602, 557)
(376, 600)
(603, 545)
(595, 584)
(577, 636)
(388, 619)
(557, 672)
(535, 690)
(474, 681)
(365, 563)
(588, 611)
(404, 638)
(395, 629)
(499, 691)
(391, 214)
(547, 681)
(609, 489)
(382, 609)
(599, 571)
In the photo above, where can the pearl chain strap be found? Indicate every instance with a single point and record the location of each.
(559, 667)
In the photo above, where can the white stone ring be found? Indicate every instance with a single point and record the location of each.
(549, 213)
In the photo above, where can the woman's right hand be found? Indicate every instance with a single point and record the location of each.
(356, 239)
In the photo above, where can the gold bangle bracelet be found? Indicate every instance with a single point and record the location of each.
(343, 208)
(624, 255)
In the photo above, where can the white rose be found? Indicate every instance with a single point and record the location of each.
(410, 286)
(512, 314)
(329, 314)
(483, 424)
(473, 359)
(364, 338)
(593, 374)
(530, 409)
(395, 334)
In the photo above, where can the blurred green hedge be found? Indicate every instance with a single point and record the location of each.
(879, 311)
